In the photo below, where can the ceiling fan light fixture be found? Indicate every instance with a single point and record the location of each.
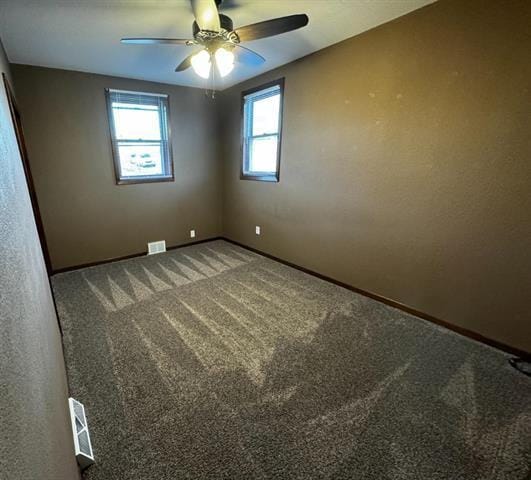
(224, 61)
(201, 63)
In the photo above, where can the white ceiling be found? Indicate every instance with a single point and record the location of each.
(85, 35)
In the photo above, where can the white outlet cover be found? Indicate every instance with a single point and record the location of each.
(257, 230)
(192, 233)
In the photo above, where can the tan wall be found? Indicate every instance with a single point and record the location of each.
(36, 437)
(406, 166)
(86, 216)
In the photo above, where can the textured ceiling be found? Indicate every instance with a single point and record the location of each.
(85, 35)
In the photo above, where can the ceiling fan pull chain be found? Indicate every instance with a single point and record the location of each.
(213, 85)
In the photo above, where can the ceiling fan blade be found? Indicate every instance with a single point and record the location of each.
(271, 27)
(206, 14)
(155, 41)
(247, 56)
(185, 64)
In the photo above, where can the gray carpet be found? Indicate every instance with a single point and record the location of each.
(213, 362)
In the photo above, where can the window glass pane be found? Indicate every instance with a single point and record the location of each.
(140, 159)
(265, 115)
(136, 122)
(263, 154)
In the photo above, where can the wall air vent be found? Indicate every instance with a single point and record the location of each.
(83, 447)
(156, 247)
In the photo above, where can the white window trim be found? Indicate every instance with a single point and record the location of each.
(168, 175)
(247, 98)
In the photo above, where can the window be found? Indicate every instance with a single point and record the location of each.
(140, 136)
(262, 129)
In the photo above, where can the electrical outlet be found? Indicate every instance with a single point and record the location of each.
(257, 230)
(192, 233)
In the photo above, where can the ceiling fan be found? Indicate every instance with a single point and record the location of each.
(220, 41)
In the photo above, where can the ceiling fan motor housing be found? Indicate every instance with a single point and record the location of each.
(225, 22)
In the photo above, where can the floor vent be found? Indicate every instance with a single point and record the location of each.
(156, 247)
(82, 444)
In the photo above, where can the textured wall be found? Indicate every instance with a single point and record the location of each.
(36, 437)
(86, 216)
(405, 165)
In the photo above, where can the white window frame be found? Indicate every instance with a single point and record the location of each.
(248, 99)
(165, 141)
